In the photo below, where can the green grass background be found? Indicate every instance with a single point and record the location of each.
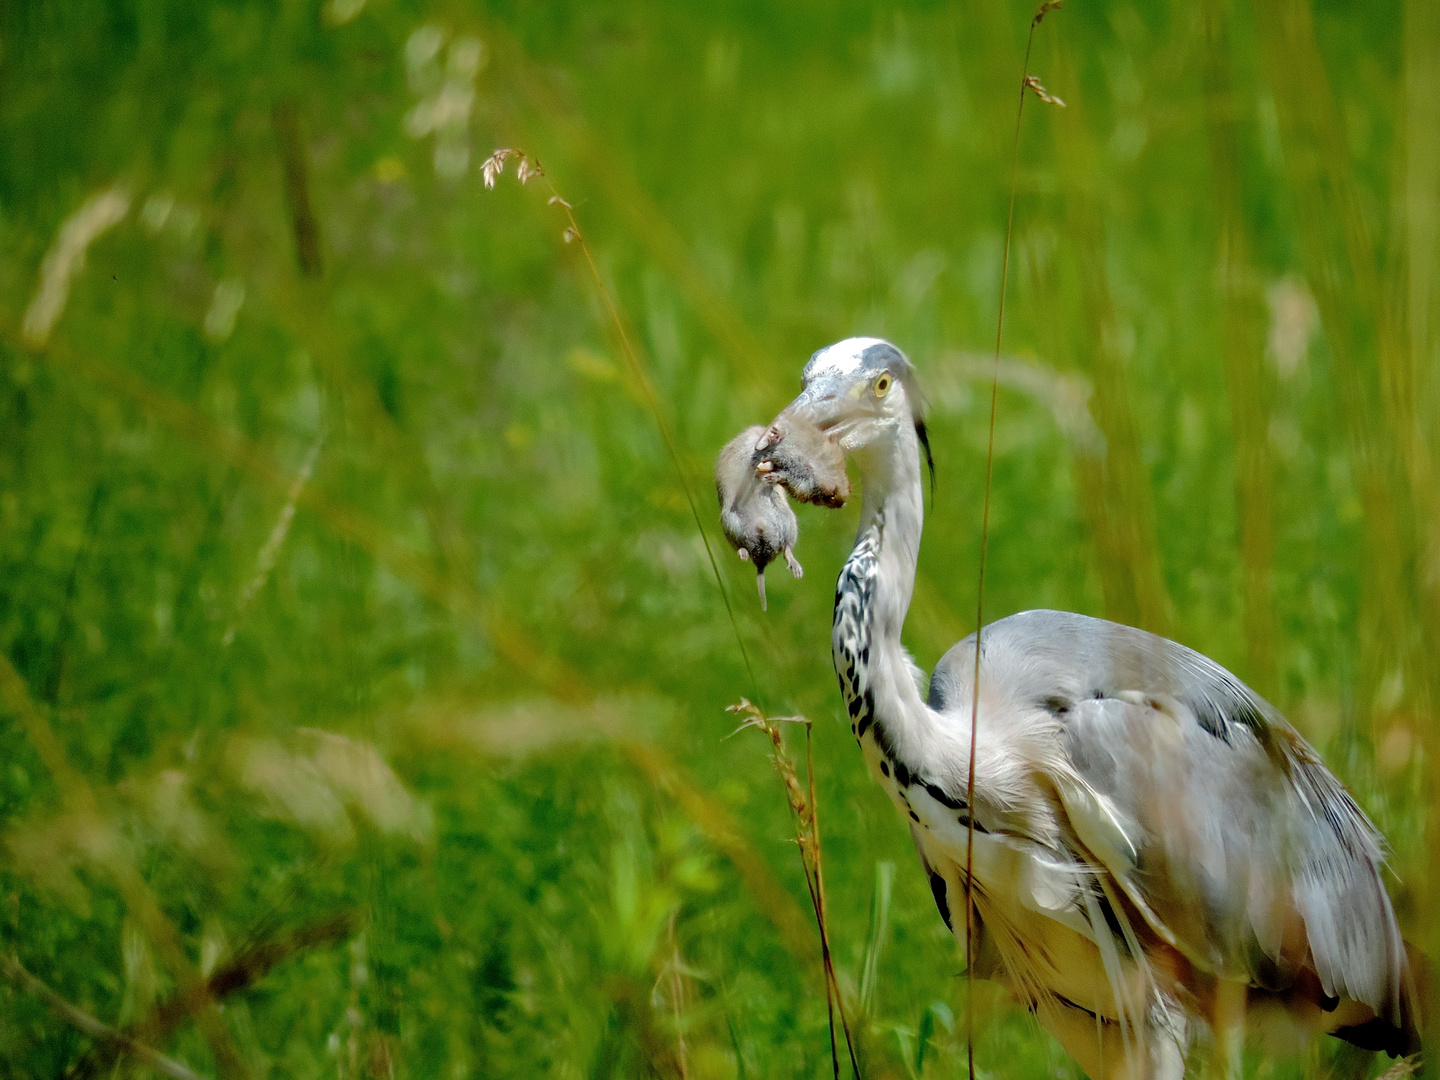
(464, 685)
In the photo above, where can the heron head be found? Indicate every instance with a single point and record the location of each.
(864, 393)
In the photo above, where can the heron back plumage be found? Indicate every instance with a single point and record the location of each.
(1241, 849)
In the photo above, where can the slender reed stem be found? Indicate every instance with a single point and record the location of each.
(807, 838)
(652, 401)
(92, 1027)
(526, 168)
(677, 1002)
(822, 915)
(1027, 83)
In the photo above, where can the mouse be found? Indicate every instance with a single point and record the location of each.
(808, 463)
(755, 513)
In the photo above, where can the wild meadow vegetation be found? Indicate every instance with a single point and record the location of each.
(363, 671)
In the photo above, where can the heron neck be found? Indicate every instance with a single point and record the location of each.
(893, 505)
(873, 596)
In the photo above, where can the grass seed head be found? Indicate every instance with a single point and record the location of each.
(493, 167)
(1045, 9)
(1033, 82)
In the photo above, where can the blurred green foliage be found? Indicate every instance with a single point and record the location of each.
(344, 574)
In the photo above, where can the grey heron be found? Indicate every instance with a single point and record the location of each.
(1152, 840)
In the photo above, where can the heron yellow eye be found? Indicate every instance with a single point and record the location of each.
(882, 384)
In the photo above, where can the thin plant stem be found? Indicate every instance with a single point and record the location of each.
(526, 168)
(652, 401)
(94, 1028)
(677, 993)
(1027, 83)
(822, 913)
(807, 838)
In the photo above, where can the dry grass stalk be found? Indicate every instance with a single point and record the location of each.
(66, 258)
(527, 168)
(101, 1032)
(673, 973)
(807, 837)
(265, 561)
(1027, 82)
(247, 967)
(285, 119)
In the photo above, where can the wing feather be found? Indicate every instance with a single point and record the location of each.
(1206, 807)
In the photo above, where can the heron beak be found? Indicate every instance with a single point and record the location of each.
(822, 404)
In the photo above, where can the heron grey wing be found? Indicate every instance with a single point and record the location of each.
(1241, 847)
(1212, 839)
(1255, 867)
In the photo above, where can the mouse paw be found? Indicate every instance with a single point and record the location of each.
(794, 564)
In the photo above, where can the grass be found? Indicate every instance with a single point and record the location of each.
(1215, 419)
(806, 814)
